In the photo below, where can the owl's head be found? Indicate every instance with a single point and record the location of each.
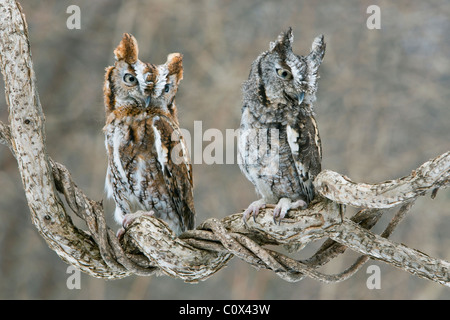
(130, 81)
(288, 78)
(167, 79)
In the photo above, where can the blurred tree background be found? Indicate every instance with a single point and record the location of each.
(382, 108)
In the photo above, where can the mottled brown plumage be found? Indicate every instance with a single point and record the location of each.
(148, 162)
(280, 150)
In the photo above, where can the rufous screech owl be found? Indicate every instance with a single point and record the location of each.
(279, 144)
(148, 162)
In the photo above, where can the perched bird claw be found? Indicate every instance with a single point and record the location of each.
(284, 205)
(253, 210)
(130, 217)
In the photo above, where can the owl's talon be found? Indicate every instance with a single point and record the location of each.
(283, 206)
(130, 217)
(120, 233)
(253, 210)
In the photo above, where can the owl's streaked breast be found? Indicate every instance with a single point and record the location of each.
(266, 160)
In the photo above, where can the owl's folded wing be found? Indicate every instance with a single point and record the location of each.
(304, 142)
(176, 166)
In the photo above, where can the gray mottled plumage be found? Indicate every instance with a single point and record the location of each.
(279, 148)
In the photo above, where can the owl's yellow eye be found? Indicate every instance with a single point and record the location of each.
(129, 79)
(284, 74)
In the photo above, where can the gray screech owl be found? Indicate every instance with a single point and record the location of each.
(279, 145)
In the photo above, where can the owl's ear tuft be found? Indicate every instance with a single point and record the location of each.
(127, 50)
(314, 60)
(284, 41)
(175, 65)
(317, 50)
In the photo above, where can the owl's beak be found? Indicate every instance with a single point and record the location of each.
(147, 101)
(300, 97)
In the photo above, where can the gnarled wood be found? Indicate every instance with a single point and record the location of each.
(27, 138)
(433, 174)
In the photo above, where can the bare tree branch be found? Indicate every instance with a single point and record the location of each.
(28, 141)
(398, 255)
(150, 247)
(432, 174)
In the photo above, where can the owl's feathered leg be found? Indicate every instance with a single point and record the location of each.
(253, 209)
(119, 215)
(284, 205)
